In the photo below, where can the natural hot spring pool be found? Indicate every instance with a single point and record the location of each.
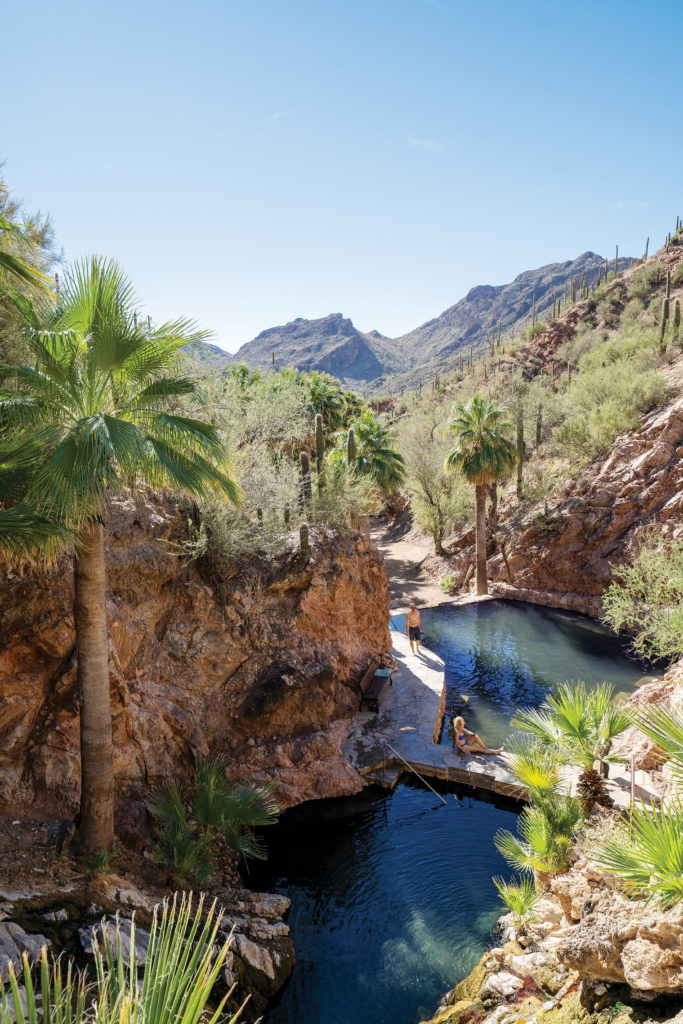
(502, 655)
(392, 901)
(392, 898)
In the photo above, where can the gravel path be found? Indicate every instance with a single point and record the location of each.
(404, 553)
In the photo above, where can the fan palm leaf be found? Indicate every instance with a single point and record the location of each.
(646, 853)
(665, 728)
(98, 389)
(483, 454)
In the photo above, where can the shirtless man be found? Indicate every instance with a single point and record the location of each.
(413, 628)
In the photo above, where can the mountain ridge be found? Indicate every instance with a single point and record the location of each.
(333, 344)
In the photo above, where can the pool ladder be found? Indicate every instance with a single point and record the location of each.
(388, 746)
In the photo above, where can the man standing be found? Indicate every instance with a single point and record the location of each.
(413, 627)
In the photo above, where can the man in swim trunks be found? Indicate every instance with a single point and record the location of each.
(413, 628)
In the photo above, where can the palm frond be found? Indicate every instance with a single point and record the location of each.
(645, 853)
(665, 728)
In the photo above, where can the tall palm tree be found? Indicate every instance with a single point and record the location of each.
(96, 397)
(376, 457)
(325, 397)
(580, 723)
(483, 454)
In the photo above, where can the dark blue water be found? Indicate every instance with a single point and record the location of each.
(392, 902)
(502, 655)
(392, 898)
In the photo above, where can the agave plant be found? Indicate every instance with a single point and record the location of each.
(580, 723)
(182, 965)
(521, 898)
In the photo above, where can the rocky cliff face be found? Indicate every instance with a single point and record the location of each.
(268, 676)
(563, 558)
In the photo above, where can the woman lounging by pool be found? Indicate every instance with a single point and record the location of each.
(470, 742)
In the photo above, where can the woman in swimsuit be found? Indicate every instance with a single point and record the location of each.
(470, 742)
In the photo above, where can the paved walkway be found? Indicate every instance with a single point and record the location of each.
(409, 721)
(403, 735)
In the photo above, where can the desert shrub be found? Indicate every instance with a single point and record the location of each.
(645, 280)
(532, 331)
(605, 402)
(677, 276)
(646, 597)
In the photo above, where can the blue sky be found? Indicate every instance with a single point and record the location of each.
(250, 162)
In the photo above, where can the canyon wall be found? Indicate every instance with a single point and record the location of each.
(563, 558)
(267, 675)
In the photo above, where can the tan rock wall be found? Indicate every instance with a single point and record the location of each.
(268, 679)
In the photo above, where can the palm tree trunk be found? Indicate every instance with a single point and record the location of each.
(96, 827)
(480, 508)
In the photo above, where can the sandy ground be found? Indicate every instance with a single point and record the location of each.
(404, 551)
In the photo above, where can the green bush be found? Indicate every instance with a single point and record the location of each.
(646, 597)
(645, 280)
(521, 899)
(677, 277)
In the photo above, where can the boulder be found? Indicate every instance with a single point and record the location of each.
(14, 942)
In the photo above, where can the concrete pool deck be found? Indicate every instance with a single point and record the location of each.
(410, 721)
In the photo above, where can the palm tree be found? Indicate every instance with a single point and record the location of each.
(580, 723)
(216, 811)
(96, 397)
(646, 852)
(25, 534)
(325, 397)
(376, 457)
(483, 454)
(546, 828)
(13, 265)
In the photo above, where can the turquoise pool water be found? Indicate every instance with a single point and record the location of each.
(501, 655)
(392, 897)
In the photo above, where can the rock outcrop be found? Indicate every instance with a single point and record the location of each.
(588, 953)
(265, 673)
(563, 558)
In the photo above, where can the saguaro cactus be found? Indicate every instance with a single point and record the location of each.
(668, 284)
(306, 493)
(665, 324)
(320, 450)
(351, 447)
(539, 426)
(677, 320)
(303, 539)
(520, 451)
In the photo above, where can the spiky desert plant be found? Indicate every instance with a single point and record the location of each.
(303, 540)
(320, 449)
(520, 452)
(668, 284)
(351, 447)
(182, 964)
(306, 491)
(179, 845)
(521, 898)
(665, 324)
(96, 396)
(647, 247)
(483, 454)
(580, 724)
(677, 320)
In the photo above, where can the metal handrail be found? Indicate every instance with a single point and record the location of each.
(412, 769)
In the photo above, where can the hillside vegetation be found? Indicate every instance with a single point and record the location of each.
(570, 386)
